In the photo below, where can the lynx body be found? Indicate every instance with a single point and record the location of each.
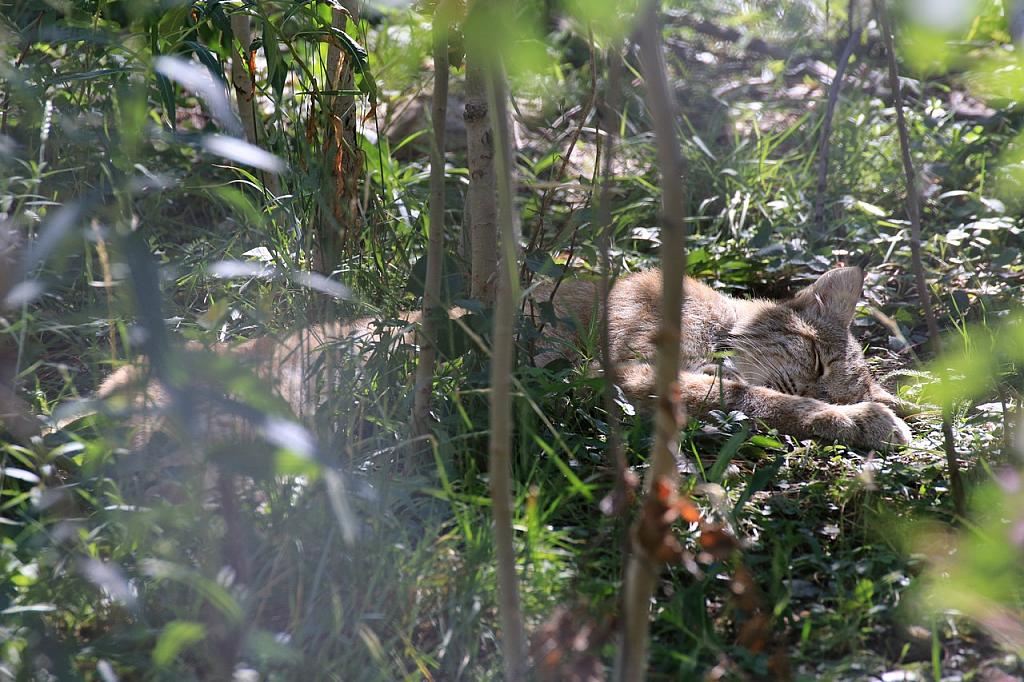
(793, 365)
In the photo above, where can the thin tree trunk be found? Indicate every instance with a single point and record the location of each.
(343, 158)
(914, 213)
(435, 241)
(481, 200)
(826, 126)
(643, 568)
(502, 366)
(245, 90)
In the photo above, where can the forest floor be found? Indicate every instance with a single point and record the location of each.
(836, 545)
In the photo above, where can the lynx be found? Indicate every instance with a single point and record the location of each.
(793, 365)
(301, 367)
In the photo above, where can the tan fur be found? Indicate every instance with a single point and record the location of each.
(302, 368)
(771, 373)
(290, 366)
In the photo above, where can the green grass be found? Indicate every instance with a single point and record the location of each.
(96, 576)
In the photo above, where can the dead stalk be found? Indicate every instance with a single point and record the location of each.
(914, 213)
(481, 198)
(609, 118)
(502, 365)
(826, 126)
(108, 287)
(341, 149)
(643, 568)
(435, 239)
(245, 90)
(15, 413)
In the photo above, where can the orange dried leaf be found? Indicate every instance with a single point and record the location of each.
(664, 491)
(717, 542)
(670, 550)
(688, 510)
(755, 633)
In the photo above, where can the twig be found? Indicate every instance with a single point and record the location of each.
(481, 199)
(424, 383)
(108, 287)
(729, 35)
(527, 276)
(914, 212)
(537, 238)
(835, 87)
(644, 567)
(618, 502)
(245, 90)
(502, 366)
(609, 117)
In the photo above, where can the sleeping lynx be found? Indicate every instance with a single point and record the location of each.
(794, 364)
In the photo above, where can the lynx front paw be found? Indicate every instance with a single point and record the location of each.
(867, 424)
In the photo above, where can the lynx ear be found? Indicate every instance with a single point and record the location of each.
(833, 296)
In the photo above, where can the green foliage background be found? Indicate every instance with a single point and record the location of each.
(359, 568)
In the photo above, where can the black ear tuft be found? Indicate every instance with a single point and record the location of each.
(834, 296)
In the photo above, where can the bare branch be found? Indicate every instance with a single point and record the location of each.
(835, 87)
(481, 198)
(502, 366)
(624, 479)
(729, 35)
(643, 569)
(914, 213)
(435, 239)
(245, 90)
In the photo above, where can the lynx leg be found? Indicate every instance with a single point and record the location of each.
(866, 424)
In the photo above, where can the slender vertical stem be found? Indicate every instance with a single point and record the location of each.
(642, 571)
(240, 77)
(15, 414)
(481, 197)
(435, 239)
(609, 118)
(826, 125)
(338, 221)
(914, 213)
(245, 90)
(108, 287)
(502, 365)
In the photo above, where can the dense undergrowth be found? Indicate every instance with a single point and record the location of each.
(332, 557)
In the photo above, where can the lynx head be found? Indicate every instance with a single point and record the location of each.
(803, 346)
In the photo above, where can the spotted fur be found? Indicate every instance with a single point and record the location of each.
(793, 365)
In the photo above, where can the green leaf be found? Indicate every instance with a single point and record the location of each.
(277, 70)
(574, 481)
(349, 44)
(758, 481)
(163, 84)
(726, 454)
(871, 209)
(177, 636)
(20, 474)
(207, 58)
(453, 284)
(212, 592)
